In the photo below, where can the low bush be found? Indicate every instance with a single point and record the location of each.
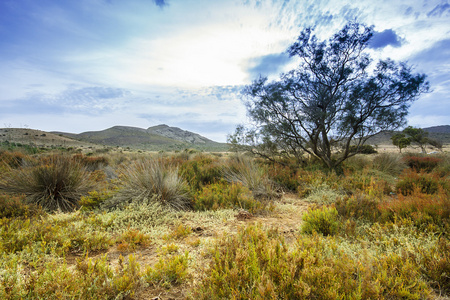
(92, 163)
(363, 149)
(359, 207)
(201, 171)
(131, 239)
(222, 195)
(15, 207)
(57, 182)
(321, 220)
(422, 163)
(428, 183)
(428, 212)
(170, 270)
(284, 176)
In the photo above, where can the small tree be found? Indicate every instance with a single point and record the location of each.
(400, 140)
(334, 99)
(417, 136)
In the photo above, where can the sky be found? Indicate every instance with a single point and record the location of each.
(84, 65)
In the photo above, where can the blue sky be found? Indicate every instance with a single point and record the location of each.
(80, 65)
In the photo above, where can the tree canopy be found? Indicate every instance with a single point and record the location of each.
(335, 98)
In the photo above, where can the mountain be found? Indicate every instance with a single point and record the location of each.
(161, 137)
(441, 133)
(438, 129)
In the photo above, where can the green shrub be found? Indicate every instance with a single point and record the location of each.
(221, 195)
(284, 176)
(323, 220)
(146, 181)
(201, 171)
(57, 182)
(168, 271)
(363, 149)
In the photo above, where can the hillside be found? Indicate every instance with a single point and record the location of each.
(441, 133)
(39, 138)
(161, 137)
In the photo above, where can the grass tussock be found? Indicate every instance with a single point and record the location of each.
(56, 182)
(146, 181)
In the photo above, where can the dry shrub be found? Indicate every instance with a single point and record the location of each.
(56, 182)
(422, 163)
(427, 211)
(428, 183)
(15, 207)
(146, 181)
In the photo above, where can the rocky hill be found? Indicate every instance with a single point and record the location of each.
(161, 137)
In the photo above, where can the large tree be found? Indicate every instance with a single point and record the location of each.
(336, 97)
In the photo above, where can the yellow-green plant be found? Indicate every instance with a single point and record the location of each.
(322, 220)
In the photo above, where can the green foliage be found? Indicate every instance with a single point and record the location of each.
(91, 279)
(94, 199)
(284, 176)
(201, 171)
(146, 181)
(57, 182)
(221, 195)
(170, 270)
(362, 149)
(132, 239)
(417, 136)
(400, 140)
(58, 235)
(358, 206)
(322, 220)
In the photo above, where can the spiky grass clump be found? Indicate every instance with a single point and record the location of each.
(247, 172)
(389, 163)
(148, 181)
(55, 183)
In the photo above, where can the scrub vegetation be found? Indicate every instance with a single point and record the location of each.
(193, 225)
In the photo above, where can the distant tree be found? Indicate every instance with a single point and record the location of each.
(436, 143)
(334, 99)
(417, 136)
(400, 140)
